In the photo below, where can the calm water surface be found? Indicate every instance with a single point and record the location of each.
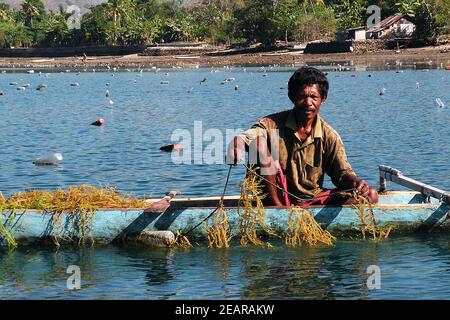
(404, 128)
(410, 268)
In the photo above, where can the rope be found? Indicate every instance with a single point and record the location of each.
(258, 175)
(217, 208)
(287, 192)
(275, 185)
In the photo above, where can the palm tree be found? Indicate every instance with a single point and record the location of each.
(119, 9)
(32, 9)
(5, 13)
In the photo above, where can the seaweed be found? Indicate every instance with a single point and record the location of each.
(303, 228)
(218, 235)
(253, 213)
(368, 219)
(74, 208)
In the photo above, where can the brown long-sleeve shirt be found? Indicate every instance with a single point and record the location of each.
(303, 163)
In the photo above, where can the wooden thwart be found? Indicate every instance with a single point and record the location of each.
(395, 175)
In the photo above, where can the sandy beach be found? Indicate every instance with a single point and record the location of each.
(438, 56)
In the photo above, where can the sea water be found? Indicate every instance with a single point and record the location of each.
(404, 128)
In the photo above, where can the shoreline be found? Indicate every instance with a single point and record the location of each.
(438, 56)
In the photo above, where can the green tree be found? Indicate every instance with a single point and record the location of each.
(310, 3)
(119, 10)
(32, 9)
(182, 27)
(56, 31)
(215, 19)
(94, 26)
(432, 19)
(285, 17)
(13, 34)
(316, 26)
(6, 14)
(350, 13)
(255, 22)
(407, 7)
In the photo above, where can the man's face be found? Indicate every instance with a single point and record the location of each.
(308, 102)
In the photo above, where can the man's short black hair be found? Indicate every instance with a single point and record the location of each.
(307, 76)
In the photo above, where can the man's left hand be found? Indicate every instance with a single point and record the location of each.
(361, 187)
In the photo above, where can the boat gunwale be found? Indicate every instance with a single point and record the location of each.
(385, 206)
(381, 207)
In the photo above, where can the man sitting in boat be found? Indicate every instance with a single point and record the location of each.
(296, 147)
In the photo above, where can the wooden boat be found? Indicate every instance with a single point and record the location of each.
(406, 211)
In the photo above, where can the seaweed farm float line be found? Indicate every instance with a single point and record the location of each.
(209, 146)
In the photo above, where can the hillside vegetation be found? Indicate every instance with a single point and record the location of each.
(137, 22)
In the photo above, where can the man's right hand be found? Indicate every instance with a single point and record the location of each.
(236, 150)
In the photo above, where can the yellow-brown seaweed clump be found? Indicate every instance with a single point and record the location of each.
(80, 197)
(218, 234)
(79, 203)
(253, 215)
(181, 240)
(368, 219)
(303, 228)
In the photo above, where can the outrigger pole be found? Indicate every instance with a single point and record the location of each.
(395, 175)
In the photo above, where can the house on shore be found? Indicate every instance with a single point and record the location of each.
(354, 34)
(396, 26)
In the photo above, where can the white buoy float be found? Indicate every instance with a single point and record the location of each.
(50, 161)
(159, 239)
(440, 103)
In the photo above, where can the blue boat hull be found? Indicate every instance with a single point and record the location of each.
(405, 211)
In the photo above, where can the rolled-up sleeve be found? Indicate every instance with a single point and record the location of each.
(259, 129)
